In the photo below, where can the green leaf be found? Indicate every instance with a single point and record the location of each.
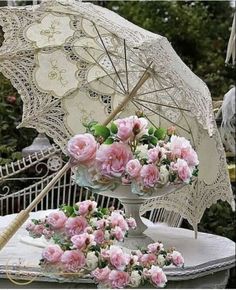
(138, 268)
(34, 221)
(91, 124)
(109, 141)
(195, 172)
(114, 128)
(16, 155)
(5, 126)
(105, 211)
(68, 210)
(102, 264)
(98, 214)
(166, 162)
(150, 130)
(153, 140)
(160, 133)
(172, 177)
(95, 248)
(144, 137)
(167, 263)
(100, 130)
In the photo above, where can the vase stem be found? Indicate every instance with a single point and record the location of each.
(132, 209)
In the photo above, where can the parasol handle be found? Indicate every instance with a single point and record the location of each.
(128, 98)
(7, 234)
(13, 227)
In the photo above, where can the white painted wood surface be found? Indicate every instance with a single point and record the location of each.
(207, 255)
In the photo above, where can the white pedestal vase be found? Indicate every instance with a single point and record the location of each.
(132, 203)
(136, 238)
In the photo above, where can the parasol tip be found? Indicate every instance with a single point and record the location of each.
(21, 125)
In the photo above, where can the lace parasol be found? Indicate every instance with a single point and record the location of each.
(73, 62)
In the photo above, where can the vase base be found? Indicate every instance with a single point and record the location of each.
(135, 243)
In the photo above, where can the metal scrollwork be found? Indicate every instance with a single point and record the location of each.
(21, 180)
(54, 163)
(37, 172)
(5, 191)
(40, 168)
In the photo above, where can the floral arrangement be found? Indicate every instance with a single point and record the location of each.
(128, 152)
(83, 244)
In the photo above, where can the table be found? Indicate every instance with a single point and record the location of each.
(208, 259)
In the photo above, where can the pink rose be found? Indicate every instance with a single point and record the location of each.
(82, 240)
(73, 260)
(105, 254)
(149, 174)
(134, 259)
(164, 152)
(183, 170)
(177, 259)
(171, 130)
(101, 275)
(137, 253)
(177, 144)
(145, 273)
(190, 156)
(38, 230)
(148, 259)
(140, 126)
(181, 148)
(56, 219)
(75, 225)
(83, 147)
(155, 247)
(118, 234)
(133, 168)
(47, 234)
(102, 223)
(157, 276)
(118, 258)
(52, 253)
(125, 129)
(119, 279)
(118, 220)
(99, 236)
(86, 206)
(88, 230)
(154, 154)
(112, 159)
(30, 226)
(131, 223)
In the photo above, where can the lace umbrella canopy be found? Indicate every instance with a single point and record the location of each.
(76, 62)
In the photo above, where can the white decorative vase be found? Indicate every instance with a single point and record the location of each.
(132, 203)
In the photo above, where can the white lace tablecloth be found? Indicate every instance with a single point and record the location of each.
(207, 259)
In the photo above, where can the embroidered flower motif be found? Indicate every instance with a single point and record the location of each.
(55, 73)
(51, 30)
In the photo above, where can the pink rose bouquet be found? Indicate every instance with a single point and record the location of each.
(83, 243)
(128, 152)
